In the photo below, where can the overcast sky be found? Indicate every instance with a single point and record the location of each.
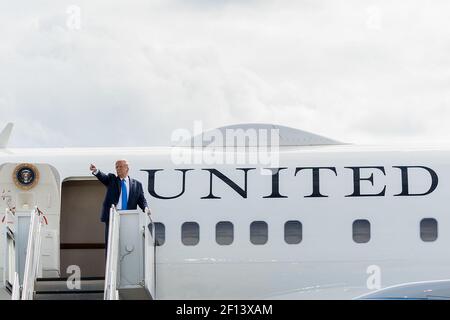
(128, 73)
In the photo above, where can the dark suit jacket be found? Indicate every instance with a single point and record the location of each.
(112, 183)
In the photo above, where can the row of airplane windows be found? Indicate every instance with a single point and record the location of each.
(293, 232)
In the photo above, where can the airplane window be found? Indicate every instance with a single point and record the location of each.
(190, 234)
(224, 233)
(361, 231)
(293, 232)
(258, 232)
(428, 229)
(160, 232)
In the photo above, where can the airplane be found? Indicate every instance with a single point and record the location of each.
(310, 218)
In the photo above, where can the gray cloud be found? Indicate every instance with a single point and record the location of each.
(357, 71)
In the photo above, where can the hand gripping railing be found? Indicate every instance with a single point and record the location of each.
(112, 257)
(33, 254)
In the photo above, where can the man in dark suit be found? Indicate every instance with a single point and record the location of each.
(122, 191)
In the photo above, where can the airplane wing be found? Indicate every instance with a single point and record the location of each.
(426, 290)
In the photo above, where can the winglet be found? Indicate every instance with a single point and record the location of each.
(5, 134)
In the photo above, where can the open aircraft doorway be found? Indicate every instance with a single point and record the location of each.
(82, 232)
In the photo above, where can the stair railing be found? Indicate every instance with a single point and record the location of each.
(112, 256)
(16, 287)
(10, 267)
(33, 254)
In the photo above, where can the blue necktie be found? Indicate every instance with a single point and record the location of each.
(124, 195)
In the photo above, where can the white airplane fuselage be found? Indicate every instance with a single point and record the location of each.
(393, 189)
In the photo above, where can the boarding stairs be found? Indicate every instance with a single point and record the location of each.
(130, 270)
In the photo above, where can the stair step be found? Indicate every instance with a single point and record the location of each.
(61, 285)
(90, 289)
(65, 279)
(80, 295)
